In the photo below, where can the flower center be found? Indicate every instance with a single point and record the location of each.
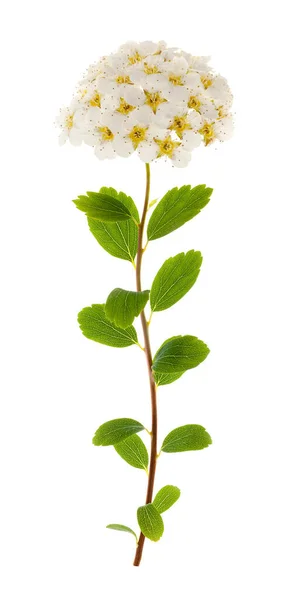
(134, 58)
(194, 103)
(221, 112)
(123, 79)
(167, 146)
(137, 135)
(69, 121)
(206, 81)
(180, 124)
(175, 79)
(150, 69)
(96, 100)
(154, 100)
(125, 108)
(208, 133)
(107, 134)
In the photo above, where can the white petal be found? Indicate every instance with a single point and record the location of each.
(195, 119)
(122, 146)
(94, 114)
(114, 121)
(156, 83)
(178, 93)
(191, 140)
(75, 137)
(134, 95)
(105, 150)
(79, 118)
(147, 48)
(181, 158)
(108, 86)
(109, 103)
(90, 139)
(147, 152)
(63, 137)
(208, 110)
(143, 115)
(224, 128)
(192, 80)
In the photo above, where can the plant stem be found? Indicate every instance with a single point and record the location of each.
(149, 359)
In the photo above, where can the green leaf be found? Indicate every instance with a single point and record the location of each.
(187, 437)
(113, 432)
(174, 279)
(150, 522)
(95, 326)
(166, 378)
(166, 497)
(123, 306)
(102, 207)
(133, 451)
(121, 528)
(119, 239)
(176, 208)
(180, 353)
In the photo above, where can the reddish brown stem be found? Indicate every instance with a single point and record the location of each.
(148, 354)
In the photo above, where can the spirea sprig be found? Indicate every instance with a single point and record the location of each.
(160, 103)
(148, 99)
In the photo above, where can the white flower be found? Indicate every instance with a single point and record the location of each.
(169, 147)
(220, 129)
(150, 100)
(184, 123)
(216, 87)
(71, 121)
(104, 133)
(139, 134)
(199, 102)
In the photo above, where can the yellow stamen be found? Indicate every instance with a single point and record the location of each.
(208, 132)
(137, 135)
(180, 124)
(154, 100)
(123, 79)
(221, 112)
(175, 79)
(107, 134)
(83, 93)
(125, 108)
(167, 146)
(69, 121)
(206, 81)
(150, 69)
(96, 100)
(194, 103)
(135, 58)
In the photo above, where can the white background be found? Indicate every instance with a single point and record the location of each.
(230, 535)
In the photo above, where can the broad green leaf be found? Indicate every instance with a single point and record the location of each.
(176, 208)
(133, 450)
(174, 279)
(180, 353)
(166, 497)
(119, 239)
(113, 432)
(121, 528)
(166, 378)
(187, 437)
(123, 306)
(150, 522)
(102, 207)
(95, 326)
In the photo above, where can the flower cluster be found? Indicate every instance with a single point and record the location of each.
(149, 99)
